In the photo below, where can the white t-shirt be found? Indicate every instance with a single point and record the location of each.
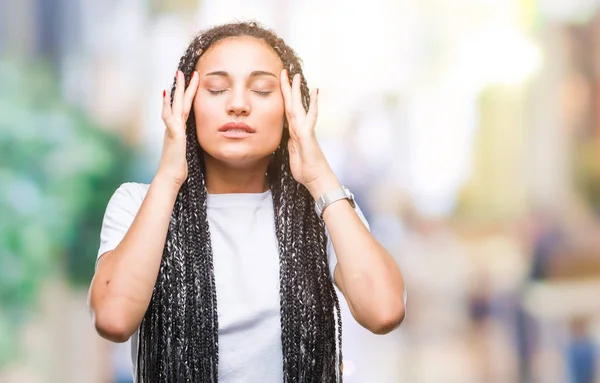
(246, 266)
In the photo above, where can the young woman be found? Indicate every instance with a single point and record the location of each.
(222, 268)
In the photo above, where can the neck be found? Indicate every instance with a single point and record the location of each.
(222, 178)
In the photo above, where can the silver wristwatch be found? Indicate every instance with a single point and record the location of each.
(331, 197)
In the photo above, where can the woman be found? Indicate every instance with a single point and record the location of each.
(221, 269)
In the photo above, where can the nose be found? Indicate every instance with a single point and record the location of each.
(238, 103)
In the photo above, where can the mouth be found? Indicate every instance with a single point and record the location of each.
(236, 128)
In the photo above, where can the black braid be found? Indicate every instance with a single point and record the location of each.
(178, 336)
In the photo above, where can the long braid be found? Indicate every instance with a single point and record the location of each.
(179, 334)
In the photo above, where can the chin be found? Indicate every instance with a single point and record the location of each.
(239, 157)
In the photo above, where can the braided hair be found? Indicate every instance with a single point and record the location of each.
(178, 336)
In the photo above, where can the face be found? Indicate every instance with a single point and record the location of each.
(239, 106)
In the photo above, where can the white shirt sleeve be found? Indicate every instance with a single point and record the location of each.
(122, 208)
(331, 257)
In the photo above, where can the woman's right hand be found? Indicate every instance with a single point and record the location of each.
(173, 162)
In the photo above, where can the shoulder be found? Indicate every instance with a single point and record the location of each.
(128, 196)
(132, 190)
(121, 210)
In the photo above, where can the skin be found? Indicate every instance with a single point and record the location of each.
(239, 81)
(242, 79)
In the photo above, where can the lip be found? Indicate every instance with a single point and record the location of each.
(236, 130)
(236, 126)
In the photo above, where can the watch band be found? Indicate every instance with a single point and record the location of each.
(332, 196)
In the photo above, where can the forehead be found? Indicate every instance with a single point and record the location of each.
(239, 55)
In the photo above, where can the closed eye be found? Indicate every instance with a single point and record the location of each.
(262, 93)
(216, 91)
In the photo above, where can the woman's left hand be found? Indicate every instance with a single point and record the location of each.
(307, 160)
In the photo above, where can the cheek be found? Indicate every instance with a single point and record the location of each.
(276, 116)
(269, 116)
(201, 109)
(275, 119)
(204, 113)
(275, 112)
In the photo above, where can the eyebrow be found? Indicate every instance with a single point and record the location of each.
(256, 73)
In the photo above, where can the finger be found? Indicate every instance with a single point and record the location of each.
(286, 91)
(297, 106)
(166, 108)
(190, 93)
(179, 91)
(313, 108)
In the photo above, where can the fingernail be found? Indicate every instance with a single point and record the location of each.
(164, 93)
(193, 74)
(317, 91)
(176, 74)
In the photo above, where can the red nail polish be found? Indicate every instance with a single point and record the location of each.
(317, 91)
(164, 93)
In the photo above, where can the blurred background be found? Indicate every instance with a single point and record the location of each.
(469, 131)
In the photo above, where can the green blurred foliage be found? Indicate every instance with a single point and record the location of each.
(57, 172)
